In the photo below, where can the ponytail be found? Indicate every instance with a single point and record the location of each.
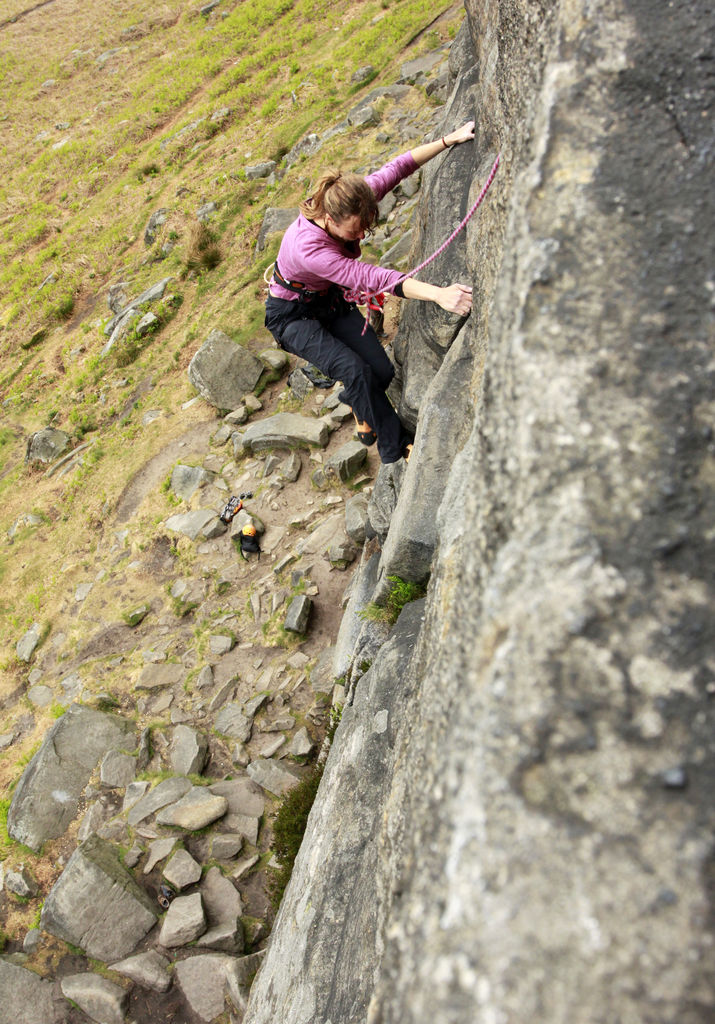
(341, 196)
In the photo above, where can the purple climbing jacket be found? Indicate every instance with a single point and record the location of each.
(310, 255)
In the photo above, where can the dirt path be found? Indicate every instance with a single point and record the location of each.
(153, 472)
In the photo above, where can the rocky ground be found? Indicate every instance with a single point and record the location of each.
(192, 689)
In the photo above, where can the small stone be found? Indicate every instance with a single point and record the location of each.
(271, 776)
(41, 696)
(133, 856)
(136, 615)
(134, 792)
(194, 811)
(205, 678)
(244, 866)
(32, 941)
(220, 644)
(226, 846)
(188, 751)
(301, 745)
(100, 999)
(117, 769)
(158, 851)
(232, 722)
(296, 620)
(20, 883)
(184, 921)
(182, 870)
(150, 970)
(27, 645)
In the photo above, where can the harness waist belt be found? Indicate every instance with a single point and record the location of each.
(295, 286)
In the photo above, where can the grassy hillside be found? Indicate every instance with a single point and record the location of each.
(110, 112)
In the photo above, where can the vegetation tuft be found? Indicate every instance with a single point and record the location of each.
(204, 250)
(401, 592)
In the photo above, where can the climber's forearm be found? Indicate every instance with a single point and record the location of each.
(456, 298)
(431, 149)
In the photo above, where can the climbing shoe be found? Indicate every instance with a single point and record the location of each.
(366, 435)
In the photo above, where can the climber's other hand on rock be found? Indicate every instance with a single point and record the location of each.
(463, 134)
(457, 298)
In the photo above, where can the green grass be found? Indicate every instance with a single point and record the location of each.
(401, 592)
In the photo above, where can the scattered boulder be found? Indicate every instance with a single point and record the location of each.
(96, 904)
(275, 220)
(24, 997)
(346, 461)
(222, 906)
(263, 170)
(117, 769)
(156, 676)
(232, 722)
(275, 358)
(186, 480)
(301, 745)
(203, 982)
(197, 809)
(272, 776)
(188, 751)
(191, 524)
(100, 999)
(47, 796)
(47, 445)
(356, 518)
(150, 970)
(152, 294)
(286, 430)
(296, 620)
(184, 922)
(27, 645)
(157, 219)
(307, 146)
(182, 870)
(223, 372)
(163, 794)
(117, 296)
(136, 615)
(19, 883)
(158, 851)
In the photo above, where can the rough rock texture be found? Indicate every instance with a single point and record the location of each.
(516, 820)
(47, 796)
(100, 999)
(26, 998)
(223, 372)
(97, 905)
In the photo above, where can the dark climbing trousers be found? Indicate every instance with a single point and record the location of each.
(327, 332)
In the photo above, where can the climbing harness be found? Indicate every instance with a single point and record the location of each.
(375, 300)
(366, 297)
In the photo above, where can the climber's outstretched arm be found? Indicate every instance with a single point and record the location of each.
(456, 298)
(424, 153)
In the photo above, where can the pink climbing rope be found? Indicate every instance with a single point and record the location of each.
(460, 227)
(365, 298)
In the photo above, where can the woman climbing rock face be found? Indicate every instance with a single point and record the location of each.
(311, 311)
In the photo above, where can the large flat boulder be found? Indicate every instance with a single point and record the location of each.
(97, 905)
(223, 372)
(286, 430)
(47, 796)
